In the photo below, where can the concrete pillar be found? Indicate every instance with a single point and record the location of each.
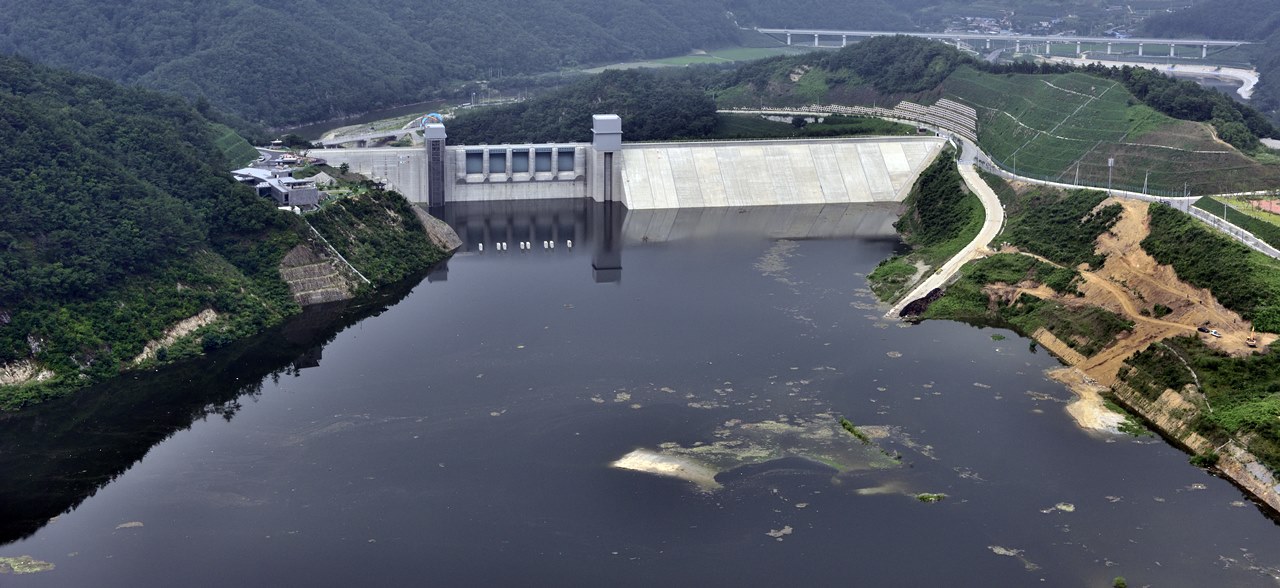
(1139, 49)
(844, 40)
(1108, 48)
(1079, 46)
(555, 160)
(1017, 46)
(957, 43)
(433, 139)
(1204, 51)
(484, 163)
(815, 39)
(606, 158)
(788, 38)
(1171, 50)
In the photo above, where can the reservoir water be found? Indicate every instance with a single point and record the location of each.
(459, 431)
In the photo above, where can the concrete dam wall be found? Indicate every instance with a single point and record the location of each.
(759, 173)
(645, 176)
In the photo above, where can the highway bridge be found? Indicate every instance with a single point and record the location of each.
(1016, 40)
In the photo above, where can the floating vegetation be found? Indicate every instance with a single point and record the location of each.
(23, 564)
(931, 497)
(853, 430)
(780, 533)
(997, 337)
(1015, 553)
(739, 444)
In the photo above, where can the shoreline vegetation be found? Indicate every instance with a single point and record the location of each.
(1116, 290)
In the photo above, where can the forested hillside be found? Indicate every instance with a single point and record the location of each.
(653, 106)
(316, 59)
(1247, 20)
(311, 60)
(117, 221)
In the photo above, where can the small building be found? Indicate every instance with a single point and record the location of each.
(323, 180)
(280, 185)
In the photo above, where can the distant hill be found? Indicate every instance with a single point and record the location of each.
(1247, 20)
(310, 60)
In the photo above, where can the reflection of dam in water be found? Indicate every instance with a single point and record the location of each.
(603, 229)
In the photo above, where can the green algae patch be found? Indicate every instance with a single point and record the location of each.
(23, 564)
(931, 497)
(821, 440)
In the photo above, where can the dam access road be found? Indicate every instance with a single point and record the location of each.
(977, 248)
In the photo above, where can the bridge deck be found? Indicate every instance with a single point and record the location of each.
(983, 37)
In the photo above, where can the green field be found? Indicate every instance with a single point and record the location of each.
(1067, 127)
(237, 151)
(728, 55)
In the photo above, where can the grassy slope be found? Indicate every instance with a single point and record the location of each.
(1048, 125)
(235, 150)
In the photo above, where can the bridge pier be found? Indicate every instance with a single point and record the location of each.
(1108, 48)
(1139, 49)
(988, 43)
(1171, 50)
(788, 38)
(844, 40)
(815, 39)
(1079, 46)
(1017, 46)
(1204, 51)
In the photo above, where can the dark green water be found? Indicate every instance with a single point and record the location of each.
(460, 431)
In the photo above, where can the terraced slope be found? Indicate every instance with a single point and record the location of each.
(1067, 126)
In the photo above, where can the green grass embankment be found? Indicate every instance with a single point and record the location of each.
(235, 149)
(942, 217)
(1064, 127)
(1242, 279)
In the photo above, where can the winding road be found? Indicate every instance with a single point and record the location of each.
(977, 248)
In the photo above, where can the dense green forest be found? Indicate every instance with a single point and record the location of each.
(1244, 20)
(118, 221)
(653, 105)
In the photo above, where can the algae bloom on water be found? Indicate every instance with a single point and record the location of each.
(820, 440)
(23, 564)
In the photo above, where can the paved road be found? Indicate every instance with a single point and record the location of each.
(977, 248)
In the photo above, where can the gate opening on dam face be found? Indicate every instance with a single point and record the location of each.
(650, 175)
